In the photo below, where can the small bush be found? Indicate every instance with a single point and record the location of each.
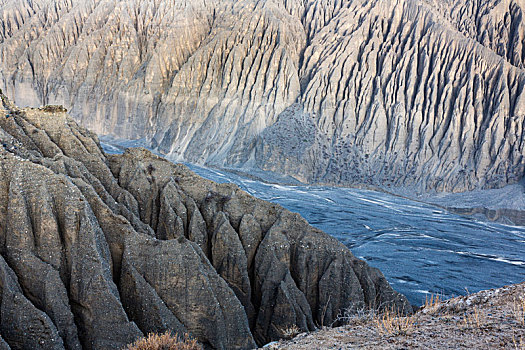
(54, 109)
(165, 341)
(392, 322)
(361, 316)
(290, 332)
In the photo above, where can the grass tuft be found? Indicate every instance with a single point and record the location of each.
(519, 343)
(392, 322)
(433, 302)
(518, 309)
(290, 332)
(476, 319)
(360, 316)
(165, 341)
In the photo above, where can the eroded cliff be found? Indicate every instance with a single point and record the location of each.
(97, 250)
(417, 93)
(396, 94)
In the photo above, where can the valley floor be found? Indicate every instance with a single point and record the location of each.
(505, 205)
(493, 319)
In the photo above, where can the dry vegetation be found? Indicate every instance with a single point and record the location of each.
(290, 332)
(475, 319)
(493, 319)
(432, 302)
(519, 310)
(165, 341)
(391, 322)
(53, 109)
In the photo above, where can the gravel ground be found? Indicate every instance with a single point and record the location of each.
(492, 319)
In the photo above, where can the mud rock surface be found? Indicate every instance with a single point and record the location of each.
(425, 93)
(98, 250)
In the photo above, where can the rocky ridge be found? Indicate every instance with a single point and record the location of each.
(421, 93)
(97, 250)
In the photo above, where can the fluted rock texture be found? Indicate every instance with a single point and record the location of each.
(424, 93)
(98, 250)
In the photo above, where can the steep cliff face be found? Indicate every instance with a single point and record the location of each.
(97, 250)
(396, 94)
(200, 79)
(391, 93)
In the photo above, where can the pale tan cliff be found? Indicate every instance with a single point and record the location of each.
(391, 93)
(394, 94)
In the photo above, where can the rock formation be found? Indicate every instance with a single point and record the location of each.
(395, 94)
(424, 93)
(98, 250)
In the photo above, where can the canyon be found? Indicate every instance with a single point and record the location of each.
(98, 250)
(420, 98)
(420, 94)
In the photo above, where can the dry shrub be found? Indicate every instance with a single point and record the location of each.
(362, 316)
(392, 322)
(518, 310)
(54, 109)
(432, 303)
(165, 341)
(290, 332)
(476, 319)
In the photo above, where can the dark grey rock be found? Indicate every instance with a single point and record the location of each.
(100, 250)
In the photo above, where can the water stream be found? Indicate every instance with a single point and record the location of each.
(421, 249)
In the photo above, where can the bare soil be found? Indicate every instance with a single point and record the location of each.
(492, 319)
